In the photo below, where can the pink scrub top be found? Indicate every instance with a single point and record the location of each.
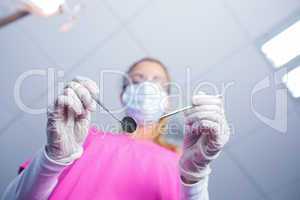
(116, 166)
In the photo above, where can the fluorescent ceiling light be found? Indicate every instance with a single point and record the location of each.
(284, 46)
(292, 81)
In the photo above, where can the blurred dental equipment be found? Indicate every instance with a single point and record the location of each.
(44, 8)
(13, 17)
(72, 13)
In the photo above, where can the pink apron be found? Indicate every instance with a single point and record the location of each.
(115, 166)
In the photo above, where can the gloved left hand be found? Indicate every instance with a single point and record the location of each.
(206, 134)
(69, 120)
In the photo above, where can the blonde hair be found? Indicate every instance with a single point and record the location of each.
(160, 129)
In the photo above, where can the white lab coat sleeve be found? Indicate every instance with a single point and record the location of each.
(196, 191)
(37, 181)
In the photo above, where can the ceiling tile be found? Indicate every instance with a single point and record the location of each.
(288, 191)
(18, 56)
(6, 117)
(271, 157)
(116, 56)
(235, 78)
(95, 24)
(111, 62)
(126, 9)
(260, 16)
(17, 144)
(7, 7)
(29, 126)
(226, 178)
(188, 33)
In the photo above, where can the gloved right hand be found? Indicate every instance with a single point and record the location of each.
(69, 120)
(207, 132)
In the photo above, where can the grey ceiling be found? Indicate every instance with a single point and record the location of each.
(216, 40)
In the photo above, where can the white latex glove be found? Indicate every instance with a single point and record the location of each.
(69, 120)
(43, 8)
(205, 135)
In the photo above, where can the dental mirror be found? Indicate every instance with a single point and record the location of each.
(128, 124)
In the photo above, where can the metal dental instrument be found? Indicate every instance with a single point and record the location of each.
(175, 112)
(128, 123)
(180, 110)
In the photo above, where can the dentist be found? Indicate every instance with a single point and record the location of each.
(82, 162)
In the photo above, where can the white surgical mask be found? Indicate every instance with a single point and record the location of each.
(146, 102)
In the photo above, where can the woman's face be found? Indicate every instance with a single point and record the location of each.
(149, 71)
(152, 72)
